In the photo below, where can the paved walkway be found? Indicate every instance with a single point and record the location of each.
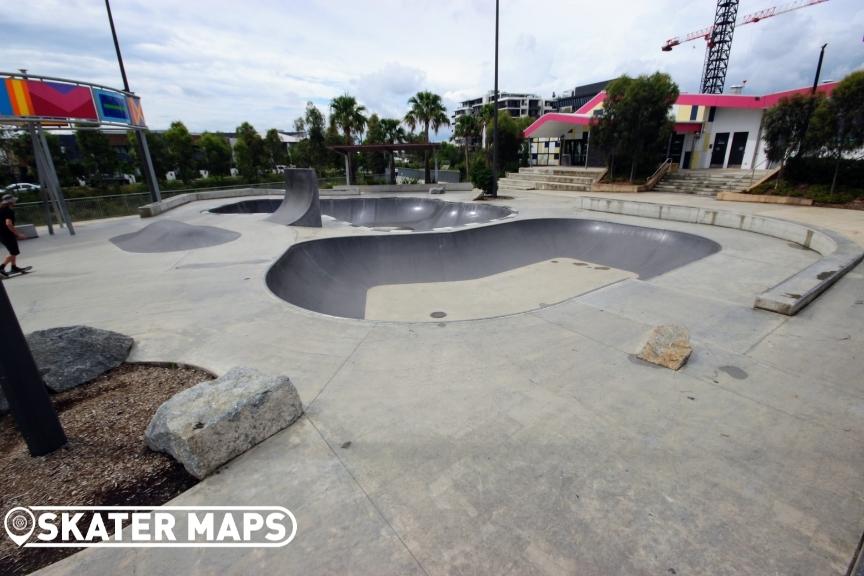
(531, 443)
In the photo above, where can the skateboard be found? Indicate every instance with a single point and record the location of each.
(24, 271)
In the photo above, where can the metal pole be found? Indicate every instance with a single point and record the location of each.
(819, 68)
(55, 183)
(587, 146)
(495, 112)
(812, 101)
(149, 172)
(44, 169)
(117, 47)
(143, 149)
(43, 182)
(23, 386)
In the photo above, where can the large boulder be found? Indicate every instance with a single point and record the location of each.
(72, 355)
(668, 346)
(209, 424)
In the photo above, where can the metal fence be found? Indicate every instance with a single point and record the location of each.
(109, 206)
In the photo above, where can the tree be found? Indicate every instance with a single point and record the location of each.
(428, 111)
(299, 124)
(484, 119)
(97, 156)
(183, 150)
(636, 120)
(393, 134)
(376, 162)
(160, 155)
(249, 153)
(838, 124)
(468, 130)
(274, 148)
(511, 141)
(216, 153)
(347, 116)
(784, 127)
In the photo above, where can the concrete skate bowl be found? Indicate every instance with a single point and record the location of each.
(173, 236)
(418, 214)
(340, 276)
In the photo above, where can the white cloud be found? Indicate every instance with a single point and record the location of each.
(214, 64)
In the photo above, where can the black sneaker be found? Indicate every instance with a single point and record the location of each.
(17, 270)
(3, 273)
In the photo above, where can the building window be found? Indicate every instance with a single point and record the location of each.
(711, 113)
(694, 111)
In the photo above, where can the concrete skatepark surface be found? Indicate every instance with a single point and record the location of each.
(172, 236)
(411, 213)
(524, 444)
(332, 275)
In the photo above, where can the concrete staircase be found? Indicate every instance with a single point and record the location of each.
(708, 182)
(558, 178)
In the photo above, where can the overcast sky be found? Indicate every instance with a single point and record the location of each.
(214, 64)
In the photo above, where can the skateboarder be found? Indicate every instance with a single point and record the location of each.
(9, 236)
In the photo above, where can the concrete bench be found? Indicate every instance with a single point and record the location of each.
(28, 230)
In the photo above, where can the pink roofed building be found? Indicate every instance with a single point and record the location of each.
(711, 131)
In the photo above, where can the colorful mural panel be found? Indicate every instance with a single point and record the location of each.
(136, 113)
(44, 98)
(111, 106)
(61, 100)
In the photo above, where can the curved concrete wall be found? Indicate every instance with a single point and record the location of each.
(420, 214)
(839, 254)
(332, 275)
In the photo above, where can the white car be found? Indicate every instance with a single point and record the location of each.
(21, 187)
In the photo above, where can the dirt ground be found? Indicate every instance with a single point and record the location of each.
(106, 461)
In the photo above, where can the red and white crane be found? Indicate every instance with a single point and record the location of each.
(752, 18)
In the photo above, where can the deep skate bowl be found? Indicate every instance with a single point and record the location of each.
(419, 214)
(332, 275)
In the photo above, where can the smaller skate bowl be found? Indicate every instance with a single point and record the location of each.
(409, 213)
(173, 236)
(300, 207)
(334, 276)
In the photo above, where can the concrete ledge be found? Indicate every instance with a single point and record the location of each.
(839, 254)
(378, 188)
(609, 187)
(156, 208)
(28, 230)
(764, 198)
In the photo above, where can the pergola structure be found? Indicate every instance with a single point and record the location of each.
(40, 103)
(346, 149)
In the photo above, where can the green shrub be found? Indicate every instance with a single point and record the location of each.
(481, 175)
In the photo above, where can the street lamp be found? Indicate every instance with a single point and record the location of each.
(495, 115)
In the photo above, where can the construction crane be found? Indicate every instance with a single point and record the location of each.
(718, 37)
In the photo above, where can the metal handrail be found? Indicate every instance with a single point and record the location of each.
(664, 167)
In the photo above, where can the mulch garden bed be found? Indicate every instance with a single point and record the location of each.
(106, 462)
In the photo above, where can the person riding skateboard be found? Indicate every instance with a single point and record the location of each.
(9, 236)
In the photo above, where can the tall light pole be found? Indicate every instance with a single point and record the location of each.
(495, 115)
(812, 101)
(819, 68)
(143, 149)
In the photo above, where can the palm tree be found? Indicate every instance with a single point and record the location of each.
(347, 116)
(393, 134)
(467, 128)
(428, 111)
(487, 115)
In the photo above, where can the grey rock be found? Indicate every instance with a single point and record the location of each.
(668, 346)
(72, 355)
(207, 425)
